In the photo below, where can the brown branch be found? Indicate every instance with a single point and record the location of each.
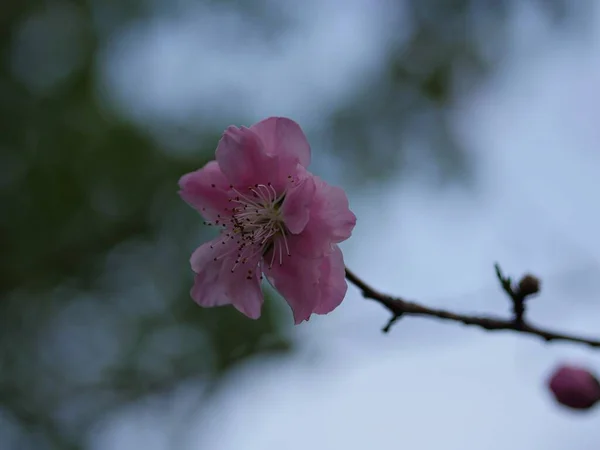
(528, 286)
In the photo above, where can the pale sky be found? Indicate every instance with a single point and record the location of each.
(426, 385)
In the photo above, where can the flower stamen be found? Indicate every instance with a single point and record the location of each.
(257, 223)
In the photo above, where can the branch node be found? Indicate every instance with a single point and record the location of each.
(391, 322)
(528, 285)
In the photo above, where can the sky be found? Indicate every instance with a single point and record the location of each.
(209, 62)
(533, 132)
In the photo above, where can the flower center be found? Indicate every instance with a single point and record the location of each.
(256, 225)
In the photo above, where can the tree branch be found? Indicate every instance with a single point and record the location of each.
(529, 285)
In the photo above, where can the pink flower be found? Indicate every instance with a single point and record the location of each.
(275, 218)
(574, 387)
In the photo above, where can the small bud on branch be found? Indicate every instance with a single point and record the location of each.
(528, 286)
(574, 387)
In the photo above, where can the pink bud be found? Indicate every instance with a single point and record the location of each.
(574, 387)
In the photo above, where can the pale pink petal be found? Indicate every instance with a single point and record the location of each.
(309, 285)
(243, 160)
(206, 190)
(208, 291)
(297, 204)
(215, 283)
(297, 280)
(243, 285)
(284, 137)
(249, 301)
(331, 222)
(204, 255)
(332, 282)
(333, 209)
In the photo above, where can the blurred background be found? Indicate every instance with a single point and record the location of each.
(464, 131)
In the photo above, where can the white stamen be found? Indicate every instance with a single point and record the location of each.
(272, 258)
(256, 225)
(280, 254)
(287, 249)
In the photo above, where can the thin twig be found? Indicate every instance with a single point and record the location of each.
(400, 307)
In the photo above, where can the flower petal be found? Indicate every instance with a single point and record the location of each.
(297, 280)
(297, 204)
(332, 282)
(309, 285)
(207, 290)
(243, 160)
(331, 222)
(206, 190)
(284, 137)
(217, 283)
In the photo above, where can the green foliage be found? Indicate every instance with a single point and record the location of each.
(90, 216)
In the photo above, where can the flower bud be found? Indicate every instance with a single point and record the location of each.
(574, 387)
(529, 285)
